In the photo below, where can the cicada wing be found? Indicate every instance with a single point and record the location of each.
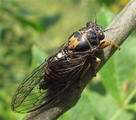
(28, 93)
(69, 71)
(70, 74)
(29, 97)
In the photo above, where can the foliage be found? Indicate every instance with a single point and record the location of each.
(28, 29)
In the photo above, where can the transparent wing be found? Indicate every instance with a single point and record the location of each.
(28, 93)
(28, 97)
(69, 71)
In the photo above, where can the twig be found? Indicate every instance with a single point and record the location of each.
(123, 25)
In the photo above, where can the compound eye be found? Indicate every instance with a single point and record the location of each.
(101, 35)
(89, 24)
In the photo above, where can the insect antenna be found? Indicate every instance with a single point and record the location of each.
(95, 17)
(108, 29)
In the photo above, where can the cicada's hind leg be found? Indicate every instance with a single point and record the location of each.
(107, 43)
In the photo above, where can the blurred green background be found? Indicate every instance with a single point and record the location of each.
(30, 30)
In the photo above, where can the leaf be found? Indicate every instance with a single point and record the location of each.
(132, 107)
(38, 56)
(105, 16)
(23, 20)
(122, 66)
(94, 106)
(120, 69)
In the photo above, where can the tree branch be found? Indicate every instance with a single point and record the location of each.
(123, 25)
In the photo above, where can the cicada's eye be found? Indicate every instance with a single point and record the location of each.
(101, 35)
(89, 24)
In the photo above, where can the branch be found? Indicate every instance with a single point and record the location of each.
(123, 25)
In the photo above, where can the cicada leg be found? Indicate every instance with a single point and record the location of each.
(98, 61)
(85, 70)
(83, 73)
(107, 43)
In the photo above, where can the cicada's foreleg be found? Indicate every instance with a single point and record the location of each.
(107, 43)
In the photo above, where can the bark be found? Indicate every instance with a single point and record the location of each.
(122, 25)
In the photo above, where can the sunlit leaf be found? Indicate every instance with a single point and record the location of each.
(39, 56)
(119, 69)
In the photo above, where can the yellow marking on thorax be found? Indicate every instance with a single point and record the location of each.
(81, 31)
(84, 33)
(73, 41)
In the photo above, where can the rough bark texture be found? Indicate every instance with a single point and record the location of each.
(123, 25)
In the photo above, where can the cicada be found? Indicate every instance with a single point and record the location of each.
(66, 65)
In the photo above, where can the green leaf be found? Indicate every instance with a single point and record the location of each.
(119, 69)
(94, 106)
(36, 24)
(116, 73)
(132, 107)
(38, 56)
(105, 16)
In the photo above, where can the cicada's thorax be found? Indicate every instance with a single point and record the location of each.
(86, 38)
